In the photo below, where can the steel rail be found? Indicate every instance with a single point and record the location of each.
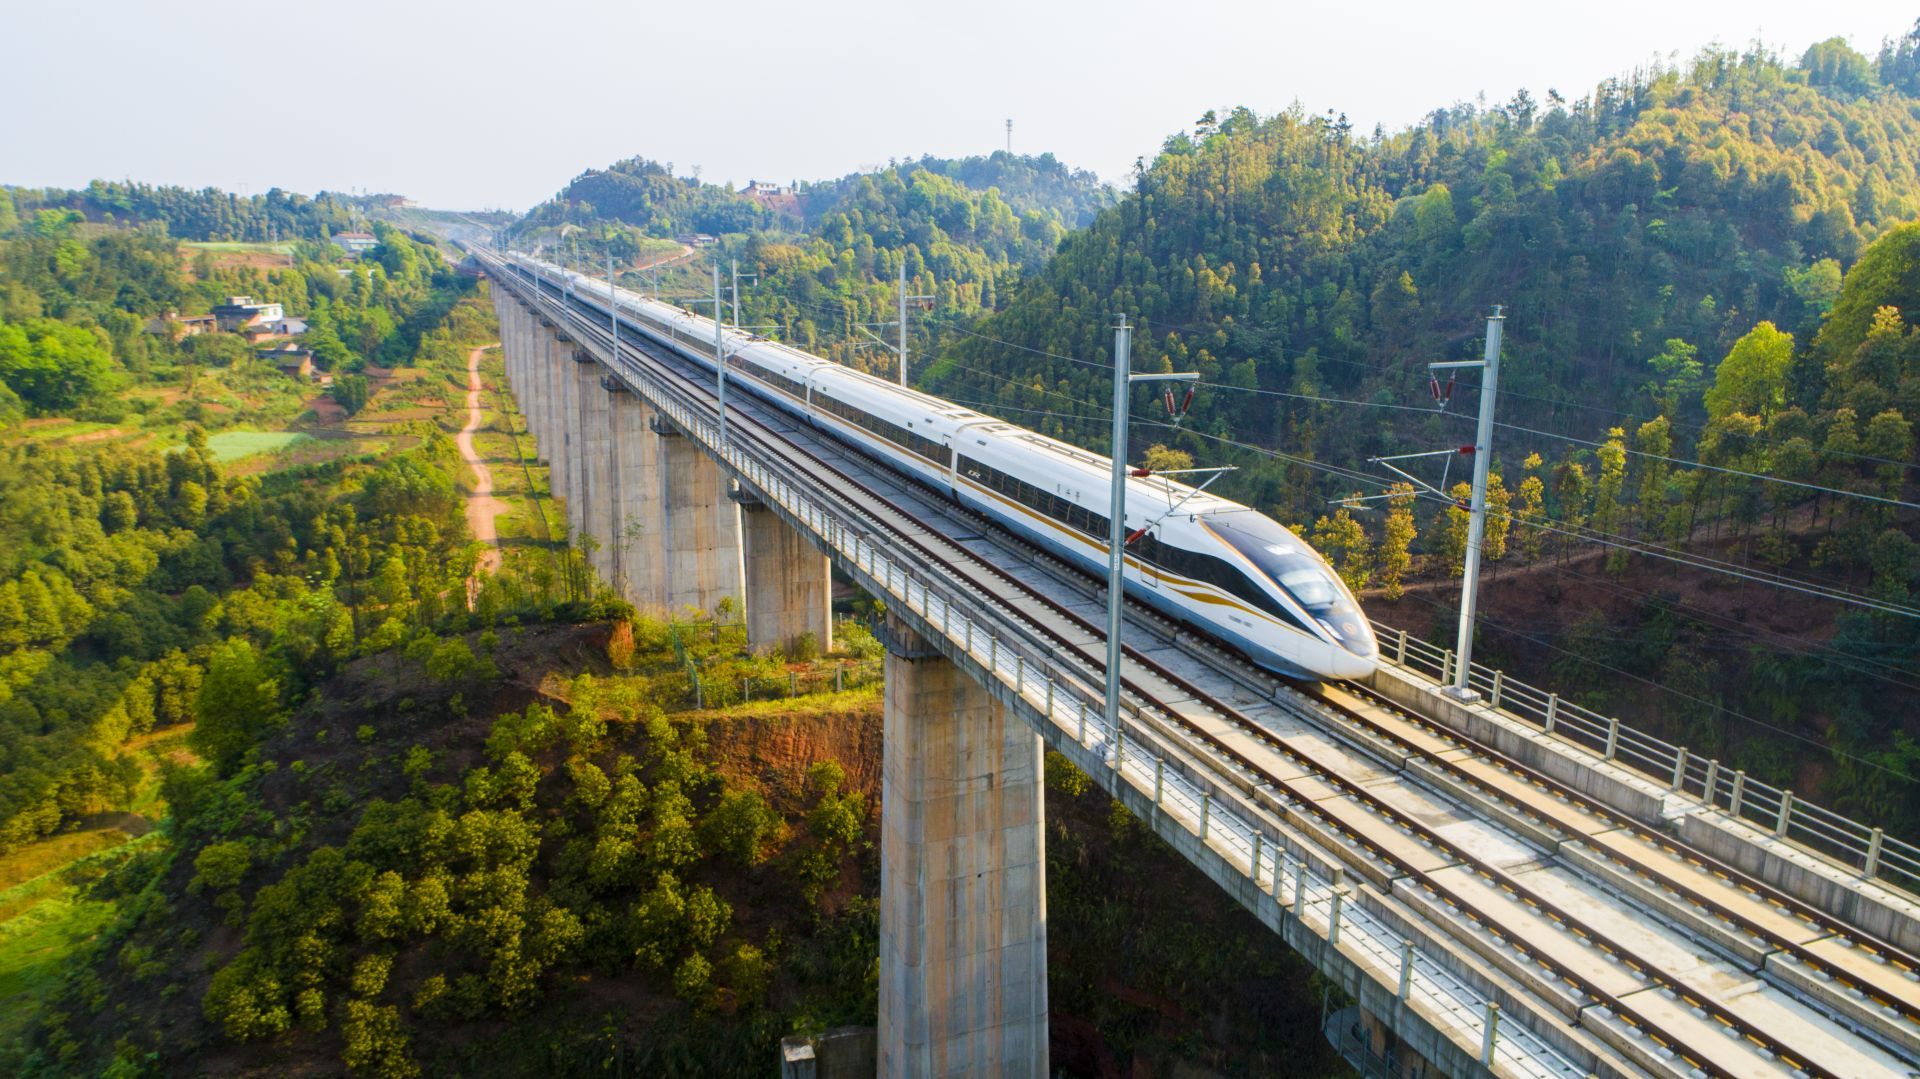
(1301, 799)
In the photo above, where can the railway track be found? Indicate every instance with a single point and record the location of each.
(1422, 857)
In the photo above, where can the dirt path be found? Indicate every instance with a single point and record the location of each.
(482, 507)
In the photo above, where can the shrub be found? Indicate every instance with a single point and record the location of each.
(220, 866)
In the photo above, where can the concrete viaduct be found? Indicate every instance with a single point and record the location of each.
(1515, 887)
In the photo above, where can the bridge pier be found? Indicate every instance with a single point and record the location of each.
(591, 508)
(789, 585)
(636, 527)
(701, 526)
(555, 376)
(516, 342)
(963, 925)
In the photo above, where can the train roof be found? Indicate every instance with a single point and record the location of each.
(974, 420)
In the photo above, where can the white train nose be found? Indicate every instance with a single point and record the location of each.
(1341, 663)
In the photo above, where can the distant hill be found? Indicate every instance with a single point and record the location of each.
(1288, 254)
(827, 255)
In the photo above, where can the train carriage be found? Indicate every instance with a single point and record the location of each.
(1213, 564)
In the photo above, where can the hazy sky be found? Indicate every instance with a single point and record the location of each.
(485, 103)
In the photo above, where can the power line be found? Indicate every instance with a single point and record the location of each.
(1718, 468)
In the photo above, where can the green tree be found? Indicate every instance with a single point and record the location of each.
(1396, 541)
(1753, 377)
(52, 366)
(239, 699)
(1344, 543)
(1609, 512)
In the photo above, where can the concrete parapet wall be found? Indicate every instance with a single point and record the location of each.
(1885, 914)
(1842, 893)
(1551, 757)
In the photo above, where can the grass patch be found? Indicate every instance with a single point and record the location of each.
(233, 445)
(43, 856)
(235, 246)
(35, 949)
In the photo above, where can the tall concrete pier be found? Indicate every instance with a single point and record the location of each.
(591, 510)
(963, 931)
(637, 527)
(963, 898)
(789, 585)
(701, 537)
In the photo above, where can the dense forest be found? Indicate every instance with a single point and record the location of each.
(205, 214)
(1707, 274)
(125, 568)
(828, 256)
(1709, 290)
(373, 819)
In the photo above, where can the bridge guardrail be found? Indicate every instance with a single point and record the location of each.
(1308, 888)
(1838, 839)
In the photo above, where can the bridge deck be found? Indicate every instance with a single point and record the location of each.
(1511, 867)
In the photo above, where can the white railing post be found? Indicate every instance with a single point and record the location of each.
(1049, 698)
(1206, 812)
(1739, 791)
(1553, 712)
(1300, 888)
(1499, 683)
(1333, 921)
(1254, 862)
(1613, 738)
(1679, 769)
(1491, 1037)
(1406, 969)
(1159, 776)
(1711, 790)
(1400, 652)
(1786, 814)
(1872, 866)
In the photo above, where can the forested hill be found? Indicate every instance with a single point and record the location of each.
(828, 255)
(955, 195)
(1284, 253)
(207, 214)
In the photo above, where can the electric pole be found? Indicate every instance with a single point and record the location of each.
(736, 291)
(1477, 521)
(719, 360)
(903, 318)
(1117, 537)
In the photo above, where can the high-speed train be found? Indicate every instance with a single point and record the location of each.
(1215, 565)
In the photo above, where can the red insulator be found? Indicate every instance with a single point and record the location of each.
(1449, 387)
(1434, 385)
(1466, 450)
(1134, 536)
(1188, 403)
(1169, 400)
(1142, 472)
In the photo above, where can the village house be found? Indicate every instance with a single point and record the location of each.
(178, 326)
(240, 312)
(290, 359)
(355, 244)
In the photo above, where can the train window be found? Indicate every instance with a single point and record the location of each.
(887, 429)
(1044, 502)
